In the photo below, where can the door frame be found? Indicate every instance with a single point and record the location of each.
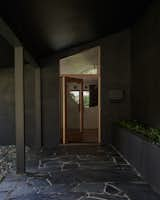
(63, 88)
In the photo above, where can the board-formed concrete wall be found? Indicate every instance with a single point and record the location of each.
(50, 104)
(145, 51)
(7, 105)
(7, 110)
(7, 122)
(29, 104)
(7, 98)
(115, 74)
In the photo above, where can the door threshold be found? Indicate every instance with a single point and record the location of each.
(80, 144)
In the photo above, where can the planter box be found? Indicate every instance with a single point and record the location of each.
(143, 155)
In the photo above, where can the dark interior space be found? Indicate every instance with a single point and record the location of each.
(120, 161)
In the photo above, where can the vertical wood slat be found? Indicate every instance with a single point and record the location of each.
(38, 136)
(99, 110)
(81, 107)
(64, 109)
(19, 110)
(99, 95)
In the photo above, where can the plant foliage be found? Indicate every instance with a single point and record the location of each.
(151, 134)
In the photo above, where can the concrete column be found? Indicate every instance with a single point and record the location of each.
(38, 136)
(19, 111)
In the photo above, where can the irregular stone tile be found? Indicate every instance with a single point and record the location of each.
(94, 158)
(66, 177)
(89, 187)
(138, 190)
(58, 188)
(32, 164)
(7, 186)
(22, 189)
(104, 197)
(37, 182)
(112, 190)
(3, 195)
(90, 175)
(62, 196)
(31, 196)
(38, 174)
(79, 173)
(70, 165)
(51, 163)
(13, 177)
(98, 165)
(123, 167)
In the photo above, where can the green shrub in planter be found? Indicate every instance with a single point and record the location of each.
(151, 134)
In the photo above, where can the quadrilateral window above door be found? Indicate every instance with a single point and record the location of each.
(85, 62)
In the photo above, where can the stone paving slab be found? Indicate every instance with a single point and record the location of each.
(76, 173)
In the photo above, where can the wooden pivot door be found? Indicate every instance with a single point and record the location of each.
(73, 135)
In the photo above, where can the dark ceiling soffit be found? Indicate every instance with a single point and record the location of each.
(13, 40)
(89, 44)
(76, 49)
(8, 34)
(69, 51)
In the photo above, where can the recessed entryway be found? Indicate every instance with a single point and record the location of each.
(80, 97)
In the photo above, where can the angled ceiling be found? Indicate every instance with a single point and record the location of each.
(48, 26)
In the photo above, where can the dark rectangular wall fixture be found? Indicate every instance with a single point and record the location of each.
(19, 110)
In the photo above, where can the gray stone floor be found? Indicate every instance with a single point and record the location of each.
(76, 173)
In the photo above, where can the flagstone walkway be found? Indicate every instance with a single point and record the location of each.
(76, 173)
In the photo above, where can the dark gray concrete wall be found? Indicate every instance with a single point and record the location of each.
(146, 67)
(7, 122)
(7, 97)
(7, 109)
(115, 64)
(7, 105)
(29, 104)
(50, 104)
(115, 67)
